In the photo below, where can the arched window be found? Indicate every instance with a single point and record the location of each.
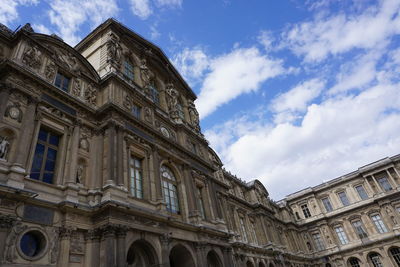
(395, 253)
(128, 70)
(170, 190)
(354, 262)
(375, 259)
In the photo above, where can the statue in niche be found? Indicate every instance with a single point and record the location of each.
(32, 57)
(80, 173)
(172, 101)
(194, 116)
(90, 94)
(76, 90)
(146, 75)
(391, 215)
(4, 147)
(114, 50)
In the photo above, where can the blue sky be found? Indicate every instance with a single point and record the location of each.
(291, 92)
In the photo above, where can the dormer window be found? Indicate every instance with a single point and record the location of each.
(62, 82)
(384, 183)
(128, 70)
(179, 107)
(306, 211)
(154, 94)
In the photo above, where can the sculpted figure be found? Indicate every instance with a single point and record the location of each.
(76, 90)
(172, 101)
(145, 74)
(32, 57)
(90, 94)
(194, 116)
(4, 146)
(114, 50)
(79, 174)
(50, 71)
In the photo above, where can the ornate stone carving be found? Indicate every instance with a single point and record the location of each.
(194, 116)
(114, 51)
(27, 27)
(4, 147)
(77, 89)
(84, 144)
(54, 246)
(14, 112)
(172, 102)
(80, 174)
(55, 112)
(146, 75)
(77, 243)
(32, 57)
(11, 242)
(66, 59)
(7, 221)
(391, 215)
(50, 71)
(147, 114)
(90, 95)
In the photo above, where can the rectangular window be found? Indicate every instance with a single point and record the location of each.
(243, 229)
(343, 198)
(360, 230)
(128, 70)
(253, 232)
(327, 204)
(341, 235)
(44, 160)
(384, 183)
(201, 202)
(62, 82)
(136, 177)
(380, 226)
(319, 244)
(361, 192)
(306, 211)
(136, 111)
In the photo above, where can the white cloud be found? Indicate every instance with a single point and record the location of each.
(141, 8)
(241, 71)
(334, 137)
(266, 38)
(69, 15)
(8, 9)
(154, 33)
(297, 98)
(192, 63)
(332, 35)
(41, 28)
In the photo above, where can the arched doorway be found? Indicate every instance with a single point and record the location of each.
(180, 257)
(261, 264)
(141, 254)
(213, 259)
(354, 262)
(249, 264)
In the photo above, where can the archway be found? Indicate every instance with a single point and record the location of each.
(354, 262)
(395, 254)
(213, 259)
(261, 264)
(249, 264)
(141, 254)
(180, 257)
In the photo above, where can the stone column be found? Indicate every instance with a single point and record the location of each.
(109, 244)
(120, 156)
(92, 255)
(165, 240)
(156, 171)
(73, 155)
(228, 257)
(121, 255)
(200, 252)
(4, 95)
(191, 191)
(25, 138)
(65, 238)
(112, 161)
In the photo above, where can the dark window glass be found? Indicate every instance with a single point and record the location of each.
(306, 211)
(354, 262)
(384, 183)
(395, 252)
(376, 260)
(128, 70)
(170, 190)
(31, 243)
(62, 82)
(360, 230)
(136, 177)
(343, 198)
(44, 160)
(327, 204)
(361, 192)
(136, 111)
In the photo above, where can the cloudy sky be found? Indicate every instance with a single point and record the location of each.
(292, 92)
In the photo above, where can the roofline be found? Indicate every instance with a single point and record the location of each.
(111, 21)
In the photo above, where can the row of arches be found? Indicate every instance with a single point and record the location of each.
(375, 259)
(142, 254)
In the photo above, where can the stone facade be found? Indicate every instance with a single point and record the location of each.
(103, 163)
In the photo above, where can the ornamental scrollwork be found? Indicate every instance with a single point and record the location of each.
(32, 57)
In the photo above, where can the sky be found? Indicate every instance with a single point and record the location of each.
(291, 92)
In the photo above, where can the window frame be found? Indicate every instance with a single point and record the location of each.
(306, 210)
(341, 200)
(133, 180)
(364, 233)
(129, 73)
(382, 185)
(63, 78)
(341, 235)
(201, 202)
(242, 224)
(328, 203)
(378, 223)
(318, 241)
(363, 190)
(170, 185)
(44, 160)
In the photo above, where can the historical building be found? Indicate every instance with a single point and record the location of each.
(102, 163)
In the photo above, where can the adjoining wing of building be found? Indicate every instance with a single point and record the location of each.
(103, 163)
